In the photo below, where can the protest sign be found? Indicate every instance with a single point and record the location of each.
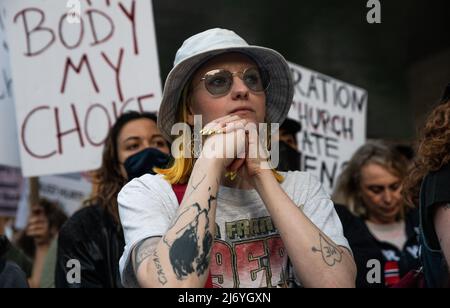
(333, 117)
(10, 189)
(9, 148)
(77, 66)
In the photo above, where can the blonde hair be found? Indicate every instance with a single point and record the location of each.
(180, 168)
(348, 188)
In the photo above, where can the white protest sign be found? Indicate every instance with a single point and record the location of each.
(68, 191)
(9, 148)
(76, 68)
(333, 116)
(10, 190)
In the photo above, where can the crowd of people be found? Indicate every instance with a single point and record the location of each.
(164, 213)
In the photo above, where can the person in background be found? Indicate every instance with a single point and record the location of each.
(44, 223)
(11, 275)
(12, 253)
(94, 235)
(428, 186)
(290, 156)
(371, 187)
(407, 151)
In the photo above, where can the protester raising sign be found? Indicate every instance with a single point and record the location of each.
(333, 117)
(9, 150)
(75, 70)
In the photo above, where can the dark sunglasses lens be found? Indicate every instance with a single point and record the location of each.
(253, 80)
(218, 82)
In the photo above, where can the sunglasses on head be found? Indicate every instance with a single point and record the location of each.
(219, 81)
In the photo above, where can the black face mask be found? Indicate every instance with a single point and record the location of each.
(289, 158)
(144, 161)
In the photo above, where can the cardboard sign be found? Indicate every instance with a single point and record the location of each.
(333, 116)
(77, 66)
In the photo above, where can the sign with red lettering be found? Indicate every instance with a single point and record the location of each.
(77, 66)
(9, 149)
(333, 115)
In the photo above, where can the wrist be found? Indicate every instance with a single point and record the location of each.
(263, 178)
(42, 247)
(214, 166)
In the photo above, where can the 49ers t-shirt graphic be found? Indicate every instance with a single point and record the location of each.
(248, 251)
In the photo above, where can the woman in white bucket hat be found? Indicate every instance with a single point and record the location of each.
(226, 220)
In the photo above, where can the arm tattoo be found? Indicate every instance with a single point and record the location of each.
(189, 251)
(195, 184)
(142, 251)
(161, 275)
(331, 254)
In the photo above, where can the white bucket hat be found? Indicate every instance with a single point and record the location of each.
(203, 46)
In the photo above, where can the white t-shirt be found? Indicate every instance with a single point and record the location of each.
(247, 251)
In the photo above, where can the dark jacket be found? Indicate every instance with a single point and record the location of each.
(435, 191)
(394, 263)
(13, 254)
(92, 237)
(11, 275)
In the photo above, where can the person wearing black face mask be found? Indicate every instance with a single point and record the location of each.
(290, 157)
(94, 235)
(144, 161)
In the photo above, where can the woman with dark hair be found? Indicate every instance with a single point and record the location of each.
(93, 236)
(371, 188)
(45, 221)
(428, 186)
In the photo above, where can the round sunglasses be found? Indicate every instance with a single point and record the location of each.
(218, 82)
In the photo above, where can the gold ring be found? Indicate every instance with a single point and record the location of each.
(210, 131)
(232, 175)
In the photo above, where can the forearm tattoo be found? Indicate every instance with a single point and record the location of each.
(159, 269)
(142, 251)
(331, 254)
(196, 183)
(190, 245)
